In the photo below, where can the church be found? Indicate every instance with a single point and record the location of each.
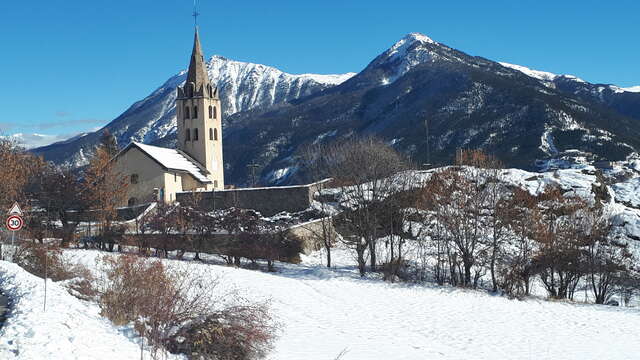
(196, 164)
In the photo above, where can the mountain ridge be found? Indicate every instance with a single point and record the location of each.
(527, 117)
(243, 86)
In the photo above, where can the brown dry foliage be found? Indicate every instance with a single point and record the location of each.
(18, 168)
(240, 332)
(157, 299)
(104, 189)
(48, 261)
(477, 158)
(41, 259)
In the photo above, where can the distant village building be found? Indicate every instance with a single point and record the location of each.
(157, 173)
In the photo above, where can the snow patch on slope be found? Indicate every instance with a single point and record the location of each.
(544, 76)
(547, 78)
(617, 89)
(411, 50)
(537, 74)
(245, 86)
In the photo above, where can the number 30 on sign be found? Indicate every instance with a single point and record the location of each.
(14, 222)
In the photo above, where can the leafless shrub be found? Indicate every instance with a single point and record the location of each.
(49, 261)
(181, 310)
(396, 269)
(240, 332)
(511, 280)
(42, 260)
(82, 285)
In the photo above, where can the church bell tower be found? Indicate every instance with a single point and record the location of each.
(199, 116)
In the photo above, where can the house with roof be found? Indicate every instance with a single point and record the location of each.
(157, 173)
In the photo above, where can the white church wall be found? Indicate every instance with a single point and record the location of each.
(150, 176)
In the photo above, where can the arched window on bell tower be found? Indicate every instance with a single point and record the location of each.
(215, 115)
(210, 111)
(210, 134)
(187, 135)
(195, 134)
(195, 112)
(186, 112)
(215, 134)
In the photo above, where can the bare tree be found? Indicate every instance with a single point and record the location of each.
(485, 171)
(241, 225)
(19, 169)
(608, 260)
(522, 218)
(57, 194)
(318, 171)
(164, 226)
(460, 203)
(105, 189)
(559, 260)
(363, 171)
(204, 224)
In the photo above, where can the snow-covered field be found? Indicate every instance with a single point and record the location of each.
(69, 328)
(325, 311)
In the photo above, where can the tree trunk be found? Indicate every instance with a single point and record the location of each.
(467, 272)
(328, 256)
(360, 248)
(493, 272)
(372, 251)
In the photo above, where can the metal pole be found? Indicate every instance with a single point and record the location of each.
(13, 249)
(45, 278)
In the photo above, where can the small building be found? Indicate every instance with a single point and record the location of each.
(157, 173)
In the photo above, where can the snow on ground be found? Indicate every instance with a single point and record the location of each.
(628, 191)
(69, 328)
(324, 311)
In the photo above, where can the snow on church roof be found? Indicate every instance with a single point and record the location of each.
(173, 159)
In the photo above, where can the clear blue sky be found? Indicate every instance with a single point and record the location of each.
(69, 66)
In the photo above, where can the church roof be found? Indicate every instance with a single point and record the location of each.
(172, 159)
(197, 73)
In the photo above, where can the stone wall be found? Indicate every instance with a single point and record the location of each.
(267, 200)
(128, 213)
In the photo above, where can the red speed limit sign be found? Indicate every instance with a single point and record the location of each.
(14, 222)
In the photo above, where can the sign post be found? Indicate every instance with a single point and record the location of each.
(14, 222)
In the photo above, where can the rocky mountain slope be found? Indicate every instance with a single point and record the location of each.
(530, 119)
(243, 86)
(468, 102)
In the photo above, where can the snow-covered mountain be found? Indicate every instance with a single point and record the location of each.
(530, 119)
(549, 78)
(243, 86)
(33, 140)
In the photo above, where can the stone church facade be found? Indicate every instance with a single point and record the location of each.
(157, 173)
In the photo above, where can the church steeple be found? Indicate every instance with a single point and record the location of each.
(198, 116)
(197, 83)
(197, 69)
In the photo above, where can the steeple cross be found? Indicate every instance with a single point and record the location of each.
(195, 13)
